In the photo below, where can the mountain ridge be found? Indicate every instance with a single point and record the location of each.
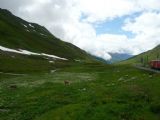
(144, 58)
(26, 46)
(16, 33)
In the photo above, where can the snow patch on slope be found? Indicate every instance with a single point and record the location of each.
(27, 30)
(31, 25)
(53, 56)
(9, 50)
(43, 34)
(26, 52)
(24, 25)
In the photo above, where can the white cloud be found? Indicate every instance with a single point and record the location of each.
(100, 10)
(146, 23)
(147, 30)
(149, 5)
(64, 19)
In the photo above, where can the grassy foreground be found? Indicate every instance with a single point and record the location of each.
(96, 92)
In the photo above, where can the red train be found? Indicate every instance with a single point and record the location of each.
(155, 64)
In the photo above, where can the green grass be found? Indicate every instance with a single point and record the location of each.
(96, 92)
(23, 64)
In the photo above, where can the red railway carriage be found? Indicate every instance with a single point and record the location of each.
(155, 64)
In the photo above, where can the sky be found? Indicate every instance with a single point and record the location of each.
(96, 26)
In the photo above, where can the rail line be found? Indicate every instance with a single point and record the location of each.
(147, 69)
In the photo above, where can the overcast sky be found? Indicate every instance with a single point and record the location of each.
(97, 26)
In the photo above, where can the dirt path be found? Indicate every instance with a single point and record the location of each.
(12, 74)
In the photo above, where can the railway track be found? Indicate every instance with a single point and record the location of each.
(147, 69)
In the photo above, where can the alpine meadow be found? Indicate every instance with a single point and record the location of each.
(68, 60)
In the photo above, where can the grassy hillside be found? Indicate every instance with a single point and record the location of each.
(16, 33)
(19, 34)
(144, 58)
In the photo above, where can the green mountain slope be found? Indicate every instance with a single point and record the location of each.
(16, 34)
(145, 57)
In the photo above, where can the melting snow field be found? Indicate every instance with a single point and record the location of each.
(25, 52)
